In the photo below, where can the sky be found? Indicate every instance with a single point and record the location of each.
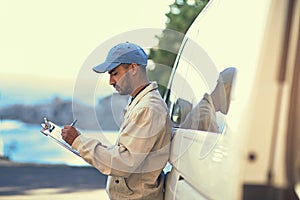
(45, 43)
(53, 38)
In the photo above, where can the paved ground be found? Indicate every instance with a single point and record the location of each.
(19, 181)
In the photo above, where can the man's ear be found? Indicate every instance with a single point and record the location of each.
(134, 68)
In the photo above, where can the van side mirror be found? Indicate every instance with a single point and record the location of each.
(180, 110)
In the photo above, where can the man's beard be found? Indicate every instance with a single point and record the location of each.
(126, 86)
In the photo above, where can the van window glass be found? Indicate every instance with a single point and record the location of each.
(190, 101)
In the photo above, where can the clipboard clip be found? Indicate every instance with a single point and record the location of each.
(47, 127)
(52, 130)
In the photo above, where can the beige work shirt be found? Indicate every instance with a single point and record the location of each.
(136, 162)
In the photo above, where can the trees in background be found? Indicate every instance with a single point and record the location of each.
(181, 16)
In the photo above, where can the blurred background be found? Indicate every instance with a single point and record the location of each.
(44, 45)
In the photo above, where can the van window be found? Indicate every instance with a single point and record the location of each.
(189, 101)
(187, 89)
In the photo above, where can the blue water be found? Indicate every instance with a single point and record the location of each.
(25, 143)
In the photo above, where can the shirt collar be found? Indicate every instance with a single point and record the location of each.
(141, 89)
(152, 86)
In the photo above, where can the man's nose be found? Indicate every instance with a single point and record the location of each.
(111, 80)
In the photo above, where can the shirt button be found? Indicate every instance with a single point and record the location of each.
(117, 181)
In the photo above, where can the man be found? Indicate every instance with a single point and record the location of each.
(203, 115)
(135, 164)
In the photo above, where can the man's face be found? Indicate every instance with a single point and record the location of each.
(120, 79)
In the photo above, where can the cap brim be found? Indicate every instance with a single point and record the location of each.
(106, 66)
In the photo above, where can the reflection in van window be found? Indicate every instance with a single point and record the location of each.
(203, 115)
(188, 87)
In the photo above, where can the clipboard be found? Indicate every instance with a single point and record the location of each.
(54, 132)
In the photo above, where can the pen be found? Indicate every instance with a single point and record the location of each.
(73, 123)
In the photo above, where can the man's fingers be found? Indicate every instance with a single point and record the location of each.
(68, 134)
(67, 127)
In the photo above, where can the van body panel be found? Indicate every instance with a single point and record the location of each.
(248, 158)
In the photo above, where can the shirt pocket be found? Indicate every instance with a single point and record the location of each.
(119, 185)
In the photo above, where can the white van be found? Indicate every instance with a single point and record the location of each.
(256, 153)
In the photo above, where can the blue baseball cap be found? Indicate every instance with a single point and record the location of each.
(123, 53)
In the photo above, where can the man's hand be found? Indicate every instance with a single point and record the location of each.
(69, 134)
